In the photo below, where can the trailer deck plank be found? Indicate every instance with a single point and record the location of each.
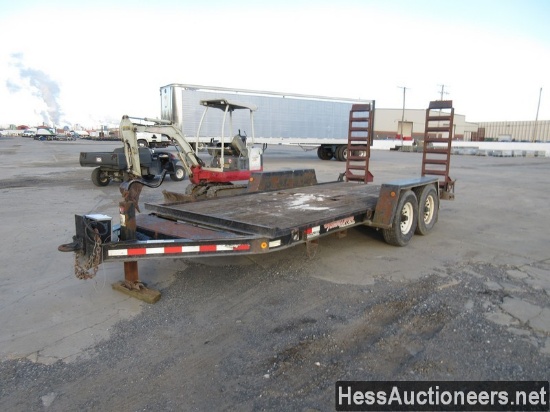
(158, 228)
(272, 213)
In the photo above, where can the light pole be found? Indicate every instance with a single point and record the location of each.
(403, 112)
(536, 118)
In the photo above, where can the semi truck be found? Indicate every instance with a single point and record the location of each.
(271, 212)
(313, 122)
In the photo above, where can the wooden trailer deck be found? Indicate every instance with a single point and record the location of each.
(273, 213)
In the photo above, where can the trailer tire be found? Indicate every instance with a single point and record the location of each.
(428, 208)
(359, 153)
(178, 175)
(342, 153)
(324, 153)
(100, 178)
(404, 222)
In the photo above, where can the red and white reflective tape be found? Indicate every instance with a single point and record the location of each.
(313, 232)
(166, 250)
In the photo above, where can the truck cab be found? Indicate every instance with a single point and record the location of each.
(152, 140)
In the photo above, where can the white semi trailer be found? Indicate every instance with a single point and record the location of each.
(282, 118)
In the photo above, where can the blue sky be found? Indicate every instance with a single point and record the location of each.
(85, 62)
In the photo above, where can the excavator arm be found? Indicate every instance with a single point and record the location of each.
(128, 130)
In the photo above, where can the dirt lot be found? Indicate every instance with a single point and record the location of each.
(468, 302)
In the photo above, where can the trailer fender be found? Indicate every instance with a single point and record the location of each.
(390, 193)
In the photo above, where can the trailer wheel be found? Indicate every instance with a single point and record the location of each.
(178, 175)
(324, 153)
(428, 208)
(359, 153)
(100, 178)
(404, 222)
(342, 153)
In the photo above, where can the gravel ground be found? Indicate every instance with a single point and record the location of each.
(468, 302)
(281, 340)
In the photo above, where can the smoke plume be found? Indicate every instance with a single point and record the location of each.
(39, 85)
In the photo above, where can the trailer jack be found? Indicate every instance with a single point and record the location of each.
(131, 285)
(94, 230)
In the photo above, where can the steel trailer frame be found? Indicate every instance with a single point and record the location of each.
(264, 222)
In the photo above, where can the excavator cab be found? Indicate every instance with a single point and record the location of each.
(227, 152)
(236, 154)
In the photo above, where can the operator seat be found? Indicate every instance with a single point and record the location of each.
(239, 146)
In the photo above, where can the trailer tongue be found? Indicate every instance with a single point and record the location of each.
(274, 211)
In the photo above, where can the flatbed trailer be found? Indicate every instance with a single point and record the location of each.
(277, 210)
(256, 222)
(263, 221)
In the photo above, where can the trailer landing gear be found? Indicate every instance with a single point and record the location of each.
(131, 285)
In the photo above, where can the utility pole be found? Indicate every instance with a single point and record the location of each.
(536, 118)
(403, 113)
(442, 92)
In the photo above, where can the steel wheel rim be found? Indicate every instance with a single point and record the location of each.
(429, 207)
(406, 218)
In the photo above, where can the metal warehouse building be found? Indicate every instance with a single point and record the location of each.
(388, 124)
(522, 131)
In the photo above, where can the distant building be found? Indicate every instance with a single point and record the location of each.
(391, 123)
(387, 124)
(520, 131)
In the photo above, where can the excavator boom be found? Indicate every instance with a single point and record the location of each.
(128, 130)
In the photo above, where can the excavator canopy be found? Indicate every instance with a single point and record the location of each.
(224, 103)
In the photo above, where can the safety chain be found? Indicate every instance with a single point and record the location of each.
(93, 262)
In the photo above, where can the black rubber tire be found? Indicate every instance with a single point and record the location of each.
(100, 178)
(341, 153)
(142, 143)
(359, 153)
(324, 153)
(428, 208)
(404, 222)
(178, 175)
